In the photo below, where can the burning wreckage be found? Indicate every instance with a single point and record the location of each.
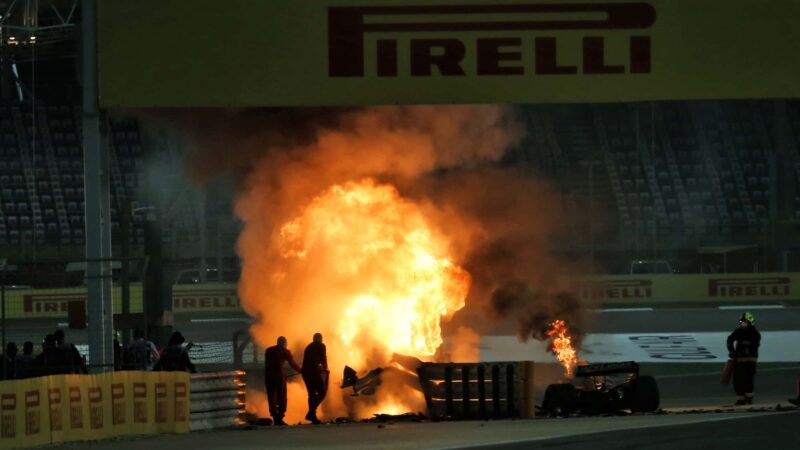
(456, 390)
(506, 389)
(597, 393)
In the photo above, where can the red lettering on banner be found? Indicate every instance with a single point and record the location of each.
(613, 289)
(8, 410)
(202, 300)
(749, 287)
(75, 408)
(32, 413)
(54, 399)
(39, 303)
(161, 402)
(117, 404)
(181, 399)
(348, 27)
(96, 407)
(139, 403)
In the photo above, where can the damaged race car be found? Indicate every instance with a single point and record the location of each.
(596, 391)
(403, 370)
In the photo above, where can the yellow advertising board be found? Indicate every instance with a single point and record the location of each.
(63, 408)
(208, 297)
(186, 53)
(54, 303)
(701, 288)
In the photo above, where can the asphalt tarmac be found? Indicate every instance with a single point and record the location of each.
(774, 431)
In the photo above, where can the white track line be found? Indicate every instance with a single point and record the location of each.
(616, 310)
(745, 307)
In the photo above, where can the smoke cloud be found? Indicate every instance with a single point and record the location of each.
(444, 162)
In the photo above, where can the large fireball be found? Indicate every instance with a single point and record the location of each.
(362, 265)
(387, 265)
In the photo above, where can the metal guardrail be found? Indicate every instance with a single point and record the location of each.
(479, 390)
(217, 400)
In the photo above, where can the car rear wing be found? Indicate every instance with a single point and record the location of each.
(603, 369)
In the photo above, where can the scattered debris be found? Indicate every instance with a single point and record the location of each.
(407, 417)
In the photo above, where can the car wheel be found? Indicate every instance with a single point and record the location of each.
(645, 396)
(560, 400)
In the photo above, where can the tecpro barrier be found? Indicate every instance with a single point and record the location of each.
(64, 408)
(479, 390)
(218, 400)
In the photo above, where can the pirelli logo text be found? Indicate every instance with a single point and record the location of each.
(118, 404)
(749, 287)
(139, 402)
(162, 404)
(33, 413)
(75, 408)
(50, 303)
(95, 407)
(614, 289)
(509, 39)
(56, 419)
(8, 417)
(204, 300)
(181, 402)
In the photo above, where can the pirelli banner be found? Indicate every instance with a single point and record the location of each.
(700, 288)
(55, 302)
(188, 53)
(63, 408)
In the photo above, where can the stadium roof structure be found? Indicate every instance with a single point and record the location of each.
(39, 29)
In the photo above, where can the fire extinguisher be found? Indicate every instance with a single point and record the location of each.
(726, 373)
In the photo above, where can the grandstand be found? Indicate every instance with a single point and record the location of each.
(42, 188)
(696, 172)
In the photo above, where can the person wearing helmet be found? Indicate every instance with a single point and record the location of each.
(743, 346)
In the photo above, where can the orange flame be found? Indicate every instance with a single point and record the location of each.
(375, 256)
(561, 346)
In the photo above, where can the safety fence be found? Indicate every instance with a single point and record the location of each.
(479, 390)
(63, 408)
